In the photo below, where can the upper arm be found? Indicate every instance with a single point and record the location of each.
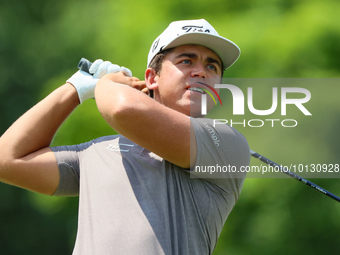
(148, 123)
(37, 171)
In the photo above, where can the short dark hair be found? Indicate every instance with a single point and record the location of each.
(156, 64)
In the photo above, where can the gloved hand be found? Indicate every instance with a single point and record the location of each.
(85, 83)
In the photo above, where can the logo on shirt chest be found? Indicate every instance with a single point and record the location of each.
(122, 147)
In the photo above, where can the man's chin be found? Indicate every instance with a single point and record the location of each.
(196, 112)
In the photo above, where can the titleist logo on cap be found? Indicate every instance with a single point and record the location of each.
(186, 29)
(195, 29)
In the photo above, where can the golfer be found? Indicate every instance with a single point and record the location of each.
(138, 191)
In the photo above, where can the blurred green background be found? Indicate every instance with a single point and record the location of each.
(41, 43)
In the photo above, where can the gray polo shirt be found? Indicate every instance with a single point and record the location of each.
(131, 201)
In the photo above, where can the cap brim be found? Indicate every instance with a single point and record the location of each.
(228, 51)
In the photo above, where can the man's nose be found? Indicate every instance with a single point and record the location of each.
(198, 71)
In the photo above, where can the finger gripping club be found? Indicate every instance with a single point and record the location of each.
(84, 65)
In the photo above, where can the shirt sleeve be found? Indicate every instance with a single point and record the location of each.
(221, 151)
(68, 159)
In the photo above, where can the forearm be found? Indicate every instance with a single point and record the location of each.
(144, 121)
(25, 157)
(36, 128)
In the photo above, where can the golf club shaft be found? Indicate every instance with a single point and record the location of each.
(295, 176)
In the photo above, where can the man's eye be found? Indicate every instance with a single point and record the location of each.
(186, 61)
(212, 67)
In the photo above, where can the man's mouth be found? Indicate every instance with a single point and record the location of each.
(196, 89)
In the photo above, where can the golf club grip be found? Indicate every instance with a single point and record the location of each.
(84, 65)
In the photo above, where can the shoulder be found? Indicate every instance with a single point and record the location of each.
(219, 144)
(77, 150)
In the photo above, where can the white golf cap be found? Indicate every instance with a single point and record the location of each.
(198, 32)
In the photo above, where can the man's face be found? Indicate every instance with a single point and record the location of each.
(179, 68)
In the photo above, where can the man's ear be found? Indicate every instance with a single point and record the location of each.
(151, 79)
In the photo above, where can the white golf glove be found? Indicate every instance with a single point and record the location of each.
(85, 83)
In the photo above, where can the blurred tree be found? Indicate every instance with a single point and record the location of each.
(42, 41)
